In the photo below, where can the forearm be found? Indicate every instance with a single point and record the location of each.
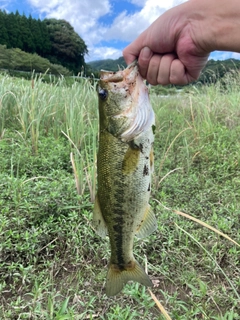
(215, 24)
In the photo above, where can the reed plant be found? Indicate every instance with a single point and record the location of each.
(35, 109)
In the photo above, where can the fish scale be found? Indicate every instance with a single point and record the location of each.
(124, 165)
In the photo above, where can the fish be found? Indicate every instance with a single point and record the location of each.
(124, 169)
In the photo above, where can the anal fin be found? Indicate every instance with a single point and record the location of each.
(98, 222)
(148, 224)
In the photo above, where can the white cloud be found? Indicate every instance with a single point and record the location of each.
(164, 3)
(99, 53)
(127, 27)
(47, 7)
(235, 55)
(93, 8)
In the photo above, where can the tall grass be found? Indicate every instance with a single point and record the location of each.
(35, 109)
(204, 115)
(52, 264)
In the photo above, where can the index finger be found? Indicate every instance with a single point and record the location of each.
(132, 51)
(129, 57)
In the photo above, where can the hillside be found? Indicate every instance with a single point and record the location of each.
(108, 64)
(16, 59)
(215, 70)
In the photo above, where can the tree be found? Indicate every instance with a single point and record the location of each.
(26, 36)
(45, 48)
(68, 47)
(37, 38)
(13, 31)
(3, 30)
(6, 61)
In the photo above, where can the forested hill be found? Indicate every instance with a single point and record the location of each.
(213, 70)
(52, 39)
(108, 64)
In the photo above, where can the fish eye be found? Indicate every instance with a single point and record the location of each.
(103, 94)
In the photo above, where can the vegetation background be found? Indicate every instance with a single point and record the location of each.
(52, 264)
(52, 39)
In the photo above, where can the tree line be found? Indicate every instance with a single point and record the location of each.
(52, 39)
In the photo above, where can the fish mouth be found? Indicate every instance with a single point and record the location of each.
(108, 76)
(117, 76)
(134, 104)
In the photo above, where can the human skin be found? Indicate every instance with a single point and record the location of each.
(175, 47)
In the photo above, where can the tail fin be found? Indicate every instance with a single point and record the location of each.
(117, 278)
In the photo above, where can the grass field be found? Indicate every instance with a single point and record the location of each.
(53, 265)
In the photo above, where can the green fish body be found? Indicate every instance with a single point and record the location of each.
(124, 164)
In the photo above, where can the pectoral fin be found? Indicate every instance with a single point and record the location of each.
(131, 159)
(147, 225)
(98, 222)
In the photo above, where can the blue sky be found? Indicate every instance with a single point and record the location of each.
(106, 26)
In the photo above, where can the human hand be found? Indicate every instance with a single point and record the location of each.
(170, 50)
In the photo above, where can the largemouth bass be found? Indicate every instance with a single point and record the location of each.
(124, 165)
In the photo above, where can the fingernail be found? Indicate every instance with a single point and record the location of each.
(146, 53)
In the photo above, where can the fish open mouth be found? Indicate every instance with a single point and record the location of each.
(108, 76)
(117, 76)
